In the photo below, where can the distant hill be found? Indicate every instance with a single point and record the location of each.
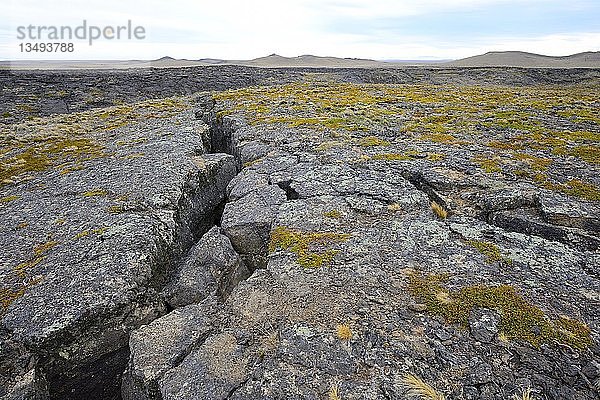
(528, 60)
(491, 59)
(275, 60)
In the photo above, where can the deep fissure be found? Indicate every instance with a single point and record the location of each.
(102, 378)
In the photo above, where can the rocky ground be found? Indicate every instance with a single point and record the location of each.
(365, 234)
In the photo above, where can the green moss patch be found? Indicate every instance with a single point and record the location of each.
(490, 251)
(95, 193)
(370, 141)
(66, 141)
(519, 319)
(575, 187)
(43, 154)
(409, 155)
(335, 214)
(488, 164)
(311, 248)
(8, 199)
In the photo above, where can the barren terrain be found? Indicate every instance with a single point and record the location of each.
(251, 233)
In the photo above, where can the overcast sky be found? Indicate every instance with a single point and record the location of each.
(376, 29)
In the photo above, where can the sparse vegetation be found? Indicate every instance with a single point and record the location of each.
(344, 332)
(525, 395)
(307, 246)
(66, 142)
(409, 155)
(116, 209)
(505, 119)
(370, 141)
(335, 214)
(44, 247)
(394, 207)
(334, 393)
(95, 193)
(88, 232)
(417, 388)
(8, 199)
(489, 165)
(439, 210)
(520, 319)
(490, 251)
(8, 296)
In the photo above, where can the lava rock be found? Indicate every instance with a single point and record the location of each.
(211, 265)
(161, 345)
(483, 324)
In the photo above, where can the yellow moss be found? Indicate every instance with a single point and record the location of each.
(307, 246)
(25, 107)
(439, 138)
(582, 114)
(512, 145)
(489, 165)
(8, 199)
(133, 156)
(116, 209)
(23, 267)
(409, 155)
(394, 207)
(335, 214)
(431, 110)
(44, 153)
(95, 193)
(87, 232)
(329, 145)
(370, 141)
(392, 157)
(131, 142)
(435, 156)
(251, 163)
(575, 187)
(490, 251)
(519, 319)
(589, 154)
(535, 163)
(66, 141)
(8, 296)
(44, 247)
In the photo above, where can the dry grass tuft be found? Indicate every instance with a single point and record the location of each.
(419, 389)
(439, 210)
(526, 395)
(334, 393)
(394, 207)
(344, 332)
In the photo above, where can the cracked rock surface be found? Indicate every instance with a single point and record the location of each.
(89, 233)
(445, 228)
(354, 233)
